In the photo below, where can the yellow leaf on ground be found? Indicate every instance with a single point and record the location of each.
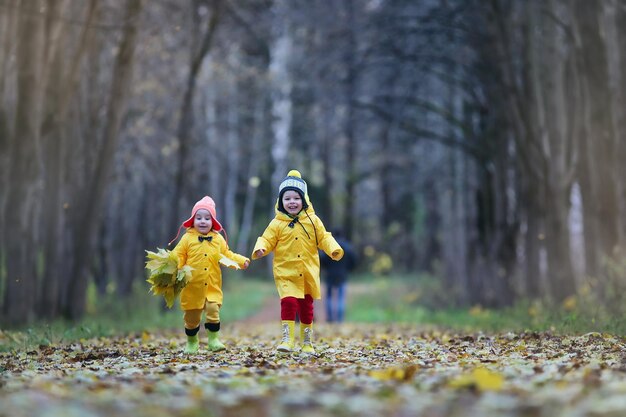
(480, 378)
(395, 373)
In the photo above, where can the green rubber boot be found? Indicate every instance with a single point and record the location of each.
(192, 344)
(214, 342)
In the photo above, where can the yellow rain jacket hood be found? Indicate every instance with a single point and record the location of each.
(296, 264)
(206, 279)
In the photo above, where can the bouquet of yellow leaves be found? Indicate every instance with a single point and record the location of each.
(164, 276)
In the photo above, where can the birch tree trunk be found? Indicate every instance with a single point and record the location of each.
(232, 158)
(544, 139)
(282, 85)
(601, 142)
(212, 136)
(557, 99)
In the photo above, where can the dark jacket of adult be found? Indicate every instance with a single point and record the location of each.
(336, 272)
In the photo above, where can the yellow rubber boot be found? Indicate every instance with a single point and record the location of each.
(287, 342)
(306, 338)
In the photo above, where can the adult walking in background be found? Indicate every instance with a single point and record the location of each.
(336, 277)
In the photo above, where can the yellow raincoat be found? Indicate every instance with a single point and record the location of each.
(205, 283)
(296, 261)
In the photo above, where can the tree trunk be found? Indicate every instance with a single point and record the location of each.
(253, 173)
(281, 106)
(232, 157)
(533, 239)
(327, 146)
(92, 206)
(22, 204)
(351, 142)
(181, 198)
(8, 23)
(620, 64)
(61, 89)
(601, 137)
(560, 271)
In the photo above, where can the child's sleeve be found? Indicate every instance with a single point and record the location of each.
(225, 250)
(327, 242)
(180, 250)
(266, 241)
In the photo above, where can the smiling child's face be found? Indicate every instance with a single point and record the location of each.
(292, 202)
(203, 222)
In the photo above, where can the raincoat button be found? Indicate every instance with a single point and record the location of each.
(205, 254)
(205, 269)
(296, 238)
(298, 256)
(205, 284)
(300, 274)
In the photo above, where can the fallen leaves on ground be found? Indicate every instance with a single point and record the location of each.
(358, 370)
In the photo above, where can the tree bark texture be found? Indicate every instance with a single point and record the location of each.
(22, 205)
(95, 193)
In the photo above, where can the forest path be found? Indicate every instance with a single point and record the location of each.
(270, 309)
(359, 370)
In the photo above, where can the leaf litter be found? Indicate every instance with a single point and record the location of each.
(358, 370)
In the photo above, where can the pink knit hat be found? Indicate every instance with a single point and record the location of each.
(206, 203)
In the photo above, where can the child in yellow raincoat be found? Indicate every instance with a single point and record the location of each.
(202, 247)
(295, 234)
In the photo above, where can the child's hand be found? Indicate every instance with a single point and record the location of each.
(337, 254)
(246, 264)
(259, 253)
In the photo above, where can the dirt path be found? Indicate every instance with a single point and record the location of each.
(270, 310)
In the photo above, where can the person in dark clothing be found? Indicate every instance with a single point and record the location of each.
(336, 277)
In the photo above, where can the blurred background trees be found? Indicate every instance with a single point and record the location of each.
(478, 141)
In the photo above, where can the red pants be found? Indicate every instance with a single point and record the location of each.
(289, 306)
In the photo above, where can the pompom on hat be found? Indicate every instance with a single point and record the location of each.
(293, 181)
(208, 204)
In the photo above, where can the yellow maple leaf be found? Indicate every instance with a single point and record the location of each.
(229, 263)
(480, 378)
(395, 373)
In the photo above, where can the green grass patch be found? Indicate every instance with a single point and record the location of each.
(109, 315)
(414, 300)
